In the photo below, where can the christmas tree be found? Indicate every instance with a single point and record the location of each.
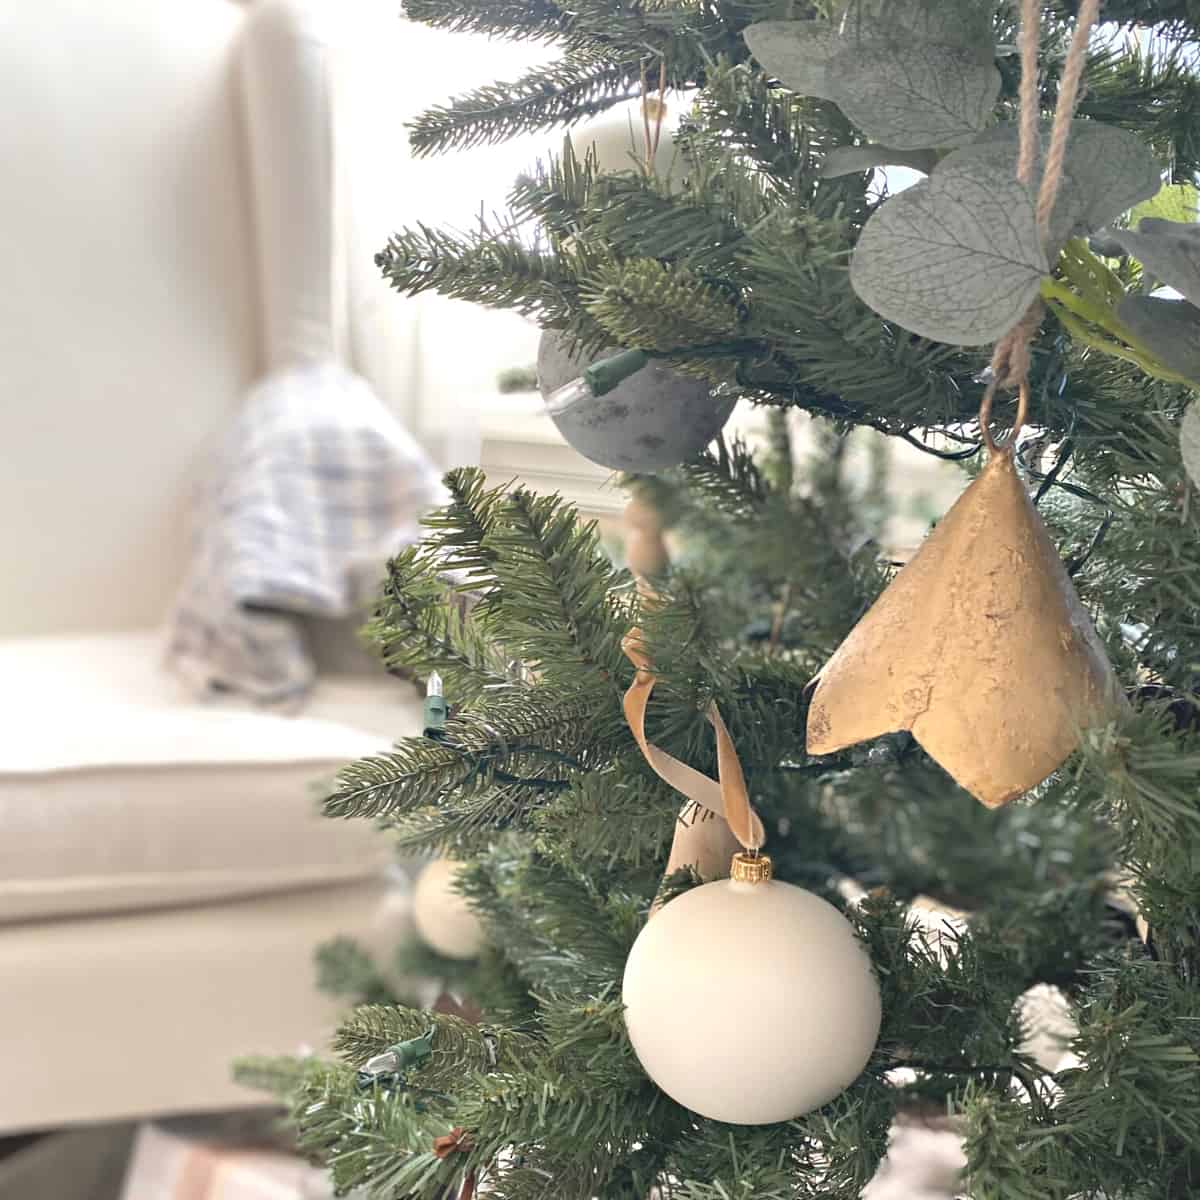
(767, 262)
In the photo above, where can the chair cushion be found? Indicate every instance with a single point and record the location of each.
(117, 791)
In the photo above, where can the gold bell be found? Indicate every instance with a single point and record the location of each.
(980, 647)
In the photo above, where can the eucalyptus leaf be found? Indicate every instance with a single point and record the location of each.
(1169, 250)
(1170, 329)
(1106, 171)
(1112, 170)
(797, 53)
(1189, 442)
(955, 258)
(966, 24)
(885, 73)
(1172, 202)
(847, 160)
(916, 96)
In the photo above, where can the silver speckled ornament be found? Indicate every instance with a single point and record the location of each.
(652, 420)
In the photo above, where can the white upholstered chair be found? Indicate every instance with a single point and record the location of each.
(163, 239)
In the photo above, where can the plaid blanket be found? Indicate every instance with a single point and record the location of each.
(315, 485)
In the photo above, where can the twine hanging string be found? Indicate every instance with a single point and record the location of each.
(727, 795)
(1011, 356)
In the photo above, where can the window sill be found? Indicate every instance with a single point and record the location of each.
(520, 443)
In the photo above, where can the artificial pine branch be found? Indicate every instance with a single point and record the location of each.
(280, 1076)
(1170, 18)
(460, 1049)
(628, 214)
(606, 47)
(522, 740)
(1156, 94)
(458, 531)
(630, 298)
(418, 629)
(577, 938)
(519, 720)
(783, 135)
(415, 772)
(1009, 1154)
(464, 822)
(516, 20)
(1143, 770)
(805, 310)
(500, 271)
(562, 611)
(758, 527)
(562, 94)
(621, 817)
(1133, 1107)
(345, 969)
(728, 480)
(355, 1132)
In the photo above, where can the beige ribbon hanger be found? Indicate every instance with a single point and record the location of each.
(726, 796)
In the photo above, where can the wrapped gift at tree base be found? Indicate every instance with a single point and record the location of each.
(171, 1164)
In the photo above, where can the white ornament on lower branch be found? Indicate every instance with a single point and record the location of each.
(749, 1000)
(444, 919)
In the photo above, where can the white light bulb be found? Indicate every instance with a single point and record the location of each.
(568, 396)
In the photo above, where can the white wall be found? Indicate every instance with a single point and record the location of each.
(406, 68)
(128, 316)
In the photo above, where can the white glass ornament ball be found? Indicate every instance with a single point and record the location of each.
(618, 141)
(751, 1002)
(656, 418)
(444, 919)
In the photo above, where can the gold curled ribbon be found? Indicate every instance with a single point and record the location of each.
(727, 797)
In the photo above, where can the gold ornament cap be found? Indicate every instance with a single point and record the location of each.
(750, 868)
